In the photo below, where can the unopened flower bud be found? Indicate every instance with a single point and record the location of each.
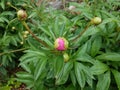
(71, 7)
(25, 36)
(26, 32)
(66, 57)
(8, 3)
(22, 15)
(21, 43)
(96, 20)
(61, 44)
(13, 28)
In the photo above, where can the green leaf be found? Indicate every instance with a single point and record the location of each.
(85, 58)
(63, 75)
(26, 67)
(82, 50)
(5, 88)
(26, 81)
(31, 56)
(87, 74)
(79, 74)
(70, 87)
(58, 65)
(73, 78)
(91, 31)
(62, 28)
(56, 26)
(51, 32)
(39, 68)
(98, 68)
(24, 75)
(44, 30)
(2, 3)
(104, 81)
(109, 57)
(96, 46)
(117, 77)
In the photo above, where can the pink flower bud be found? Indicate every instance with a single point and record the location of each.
(22, 15)
(61, 44)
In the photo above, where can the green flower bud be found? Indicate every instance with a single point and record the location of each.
(13, 28)
(8, 3)
(96, 20)
(66, 57)
(22, 15)
(26, 32)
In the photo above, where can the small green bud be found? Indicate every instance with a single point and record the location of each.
(26, 32)
(66, 57)
(22, 15)
(21, 43)
(8, 3)
(25, 36)
(96, 20)
(13, 28)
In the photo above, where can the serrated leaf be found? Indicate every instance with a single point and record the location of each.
(104, 81)
(98, 68)
(117, 77)
(109, 57)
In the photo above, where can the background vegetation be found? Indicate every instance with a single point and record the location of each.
(30, 60)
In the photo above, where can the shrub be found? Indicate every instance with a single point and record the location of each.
(92, 57)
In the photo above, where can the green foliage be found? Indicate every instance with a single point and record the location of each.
(94, 52)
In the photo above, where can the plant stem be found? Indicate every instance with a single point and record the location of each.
(82, 32)
(13, 51)
(13, 7)
(38, 39)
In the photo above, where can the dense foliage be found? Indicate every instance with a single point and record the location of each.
(73, 48)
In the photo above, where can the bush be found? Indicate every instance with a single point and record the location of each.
(70, 49)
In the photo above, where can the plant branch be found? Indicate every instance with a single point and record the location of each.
(38, 39)
(12, 6)
(13, 51)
